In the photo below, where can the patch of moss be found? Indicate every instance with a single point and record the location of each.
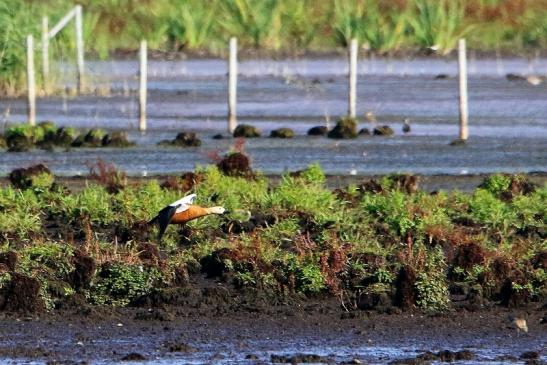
(345, 128)
(246, 131)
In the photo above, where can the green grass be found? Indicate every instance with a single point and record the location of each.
(270, 25)
(320, 242)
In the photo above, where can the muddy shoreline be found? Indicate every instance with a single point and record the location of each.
(321, 328)
(429, 183)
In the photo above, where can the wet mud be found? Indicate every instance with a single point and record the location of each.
(316, 332)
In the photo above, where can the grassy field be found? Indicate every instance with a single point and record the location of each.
(380, 245)
(272, 26)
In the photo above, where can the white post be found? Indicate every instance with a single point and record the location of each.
(30, 81)
(232, 85)
(45, 54)
(142, 85)
(462, 63)
(79, 48)
(352, 89)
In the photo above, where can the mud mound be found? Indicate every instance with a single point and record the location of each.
(320, 130)
(216, 264)
(35, 176)
(282, 133)
(300, 359)
(183, 184)
(404, 287)
(93, 138)
(183, 139)
(84, 270)
(470, 255)
(364, 132)
(246, 131)
(405, 183)
(22, 294)
(116, 139)
(235, 164)
(345, 128)
(149, 254)
(9, 259)
(384, 130)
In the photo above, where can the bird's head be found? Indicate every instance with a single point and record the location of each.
(217, 210)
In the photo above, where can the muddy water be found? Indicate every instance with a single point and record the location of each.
(508, 119)
(375, 339)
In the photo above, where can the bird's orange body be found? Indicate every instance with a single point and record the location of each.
(193, 212)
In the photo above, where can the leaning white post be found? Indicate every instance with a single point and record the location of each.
(45, 54)
(232, 85)
(79, 48)
(352, 88)
(462, 63)
(142, 85)
(30, 81)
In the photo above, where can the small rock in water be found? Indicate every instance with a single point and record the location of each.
(318, 131)
(282, 133)
(300, 359)
(458, 142)
(182, 347)
(364, 132)
(345, 128)
(529, 355)
(384, 130)
(246, 131)
(133, 356)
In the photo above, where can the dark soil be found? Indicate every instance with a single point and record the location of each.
(314, 332)
(236, 164)
(22, 294)
(23, 178)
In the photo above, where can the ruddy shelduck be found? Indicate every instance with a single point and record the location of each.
(181, 212)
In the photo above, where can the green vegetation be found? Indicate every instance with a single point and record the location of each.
(380, 242)
(271, 25)
(45, 135)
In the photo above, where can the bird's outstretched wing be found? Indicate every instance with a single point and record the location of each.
(163, 218)
(183, 204)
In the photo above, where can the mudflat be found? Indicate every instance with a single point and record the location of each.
(318, 331)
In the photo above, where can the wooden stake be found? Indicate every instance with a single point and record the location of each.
(352, 87)
(31, 82)
(232, 86)
(79, 48)
(462, 63)
(142, 86)
(45, 54)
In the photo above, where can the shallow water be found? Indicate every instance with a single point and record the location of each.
(221, 342)
(508, 119)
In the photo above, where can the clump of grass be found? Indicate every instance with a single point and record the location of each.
(438, 24)
(108, 176)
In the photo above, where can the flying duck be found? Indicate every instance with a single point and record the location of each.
(182, 211)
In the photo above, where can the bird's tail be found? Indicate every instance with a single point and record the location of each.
(153, 220)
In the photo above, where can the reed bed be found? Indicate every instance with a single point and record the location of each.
(286, 26)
